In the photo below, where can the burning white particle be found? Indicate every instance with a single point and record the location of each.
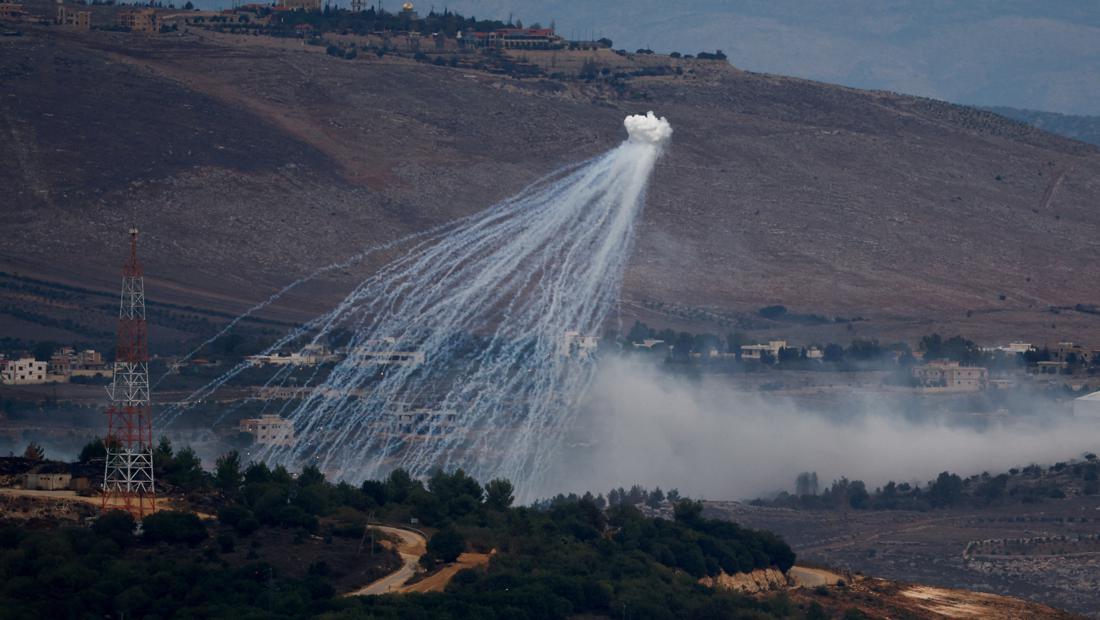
(648, 129)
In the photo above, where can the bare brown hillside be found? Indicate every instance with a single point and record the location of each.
(248, 161)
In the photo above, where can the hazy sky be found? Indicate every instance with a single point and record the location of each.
(1033, 54)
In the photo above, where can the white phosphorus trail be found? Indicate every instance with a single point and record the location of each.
(491, 309)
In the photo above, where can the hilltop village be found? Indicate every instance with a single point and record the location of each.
(507, 48)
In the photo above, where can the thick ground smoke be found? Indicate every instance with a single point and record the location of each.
(711, 441)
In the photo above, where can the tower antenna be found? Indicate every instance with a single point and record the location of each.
(128, 471)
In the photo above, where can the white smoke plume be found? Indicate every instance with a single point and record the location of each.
(648, 128)
(714, 442)
(488, 303)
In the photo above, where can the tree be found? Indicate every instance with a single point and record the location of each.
(946, 490)
(185, 471)
(94, 450)
(790, 354)
(44, 350)
(162, 453)
(173, 527)
(188, 6)
(499, 494)
(655, 498)
(688, 512)
(34, 452)
(399, 485)
(446, 545)
(772, 312)
(864, 350)
(857, 495)
(639, 332)
(833, 353)
(806, 483)
(227, 472)
(734, 342)
(118, 525)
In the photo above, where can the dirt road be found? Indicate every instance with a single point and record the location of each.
(162, 503)
(439, 579)
(411, 545)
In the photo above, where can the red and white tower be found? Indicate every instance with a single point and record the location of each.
(128, 474)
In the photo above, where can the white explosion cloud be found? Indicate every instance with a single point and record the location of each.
(648, 129)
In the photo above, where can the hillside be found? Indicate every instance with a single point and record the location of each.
(249, 161)
(1083, 128)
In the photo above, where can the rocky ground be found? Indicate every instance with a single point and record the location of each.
(932, 547)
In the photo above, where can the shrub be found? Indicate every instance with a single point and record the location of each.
(446, 545)
(118, 525)
(173, 527)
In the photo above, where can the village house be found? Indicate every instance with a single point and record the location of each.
(48, 477)
(520, 38)
(23, 371)
(310, 355)
(574, 345)
(270, 429)
(299, 5)
(68, 16)
(66, 363)
(139, 20)
(423, 421)
(384, 352)
(951, 376)
(758, 351)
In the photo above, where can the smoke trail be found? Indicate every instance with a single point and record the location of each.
(488, 302)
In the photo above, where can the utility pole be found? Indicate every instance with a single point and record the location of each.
(128, 470)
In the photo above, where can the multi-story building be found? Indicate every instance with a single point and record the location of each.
(67, 16)
(951, 376)
(270, 429)
(23, 371)
(139, 20)
(1071, 353)
(423, 421)
(66, 363)
(576, 346)
(520, 38)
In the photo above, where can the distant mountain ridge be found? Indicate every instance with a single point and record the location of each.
(1083, 128)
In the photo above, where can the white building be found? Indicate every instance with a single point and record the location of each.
(23, 371)
(574, 345)
(384, 352)
(756, 351)
(423, 421)
(270, 429)
(1013, 348)
(310, 355)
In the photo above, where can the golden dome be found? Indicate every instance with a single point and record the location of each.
(408, 6)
